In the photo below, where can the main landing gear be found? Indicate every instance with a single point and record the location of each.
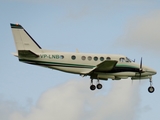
(93, 87)
(150, 88)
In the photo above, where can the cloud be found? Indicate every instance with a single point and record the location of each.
(8, 107)
(74, 101)
(142, 32)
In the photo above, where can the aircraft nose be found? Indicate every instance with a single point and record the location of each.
(151, 71)
(154, 72)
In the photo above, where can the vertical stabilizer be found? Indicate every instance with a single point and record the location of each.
(23, 40)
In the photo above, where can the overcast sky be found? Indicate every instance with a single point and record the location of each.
(124, 27)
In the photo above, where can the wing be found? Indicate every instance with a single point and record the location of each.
(104, 66)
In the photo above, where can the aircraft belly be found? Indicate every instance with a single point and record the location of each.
(68, 69)
(141, 78)
(130, 74)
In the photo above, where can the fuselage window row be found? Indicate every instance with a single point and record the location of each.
(73, 57)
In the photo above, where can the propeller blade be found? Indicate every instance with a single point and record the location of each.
(141, 64)
(140, 69)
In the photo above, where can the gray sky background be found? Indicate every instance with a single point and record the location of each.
(142, 32)
(123, 27)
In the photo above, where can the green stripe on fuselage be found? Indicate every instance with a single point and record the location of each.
(57, 64)
(70, 65)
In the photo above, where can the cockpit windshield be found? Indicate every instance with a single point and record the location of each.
(125, 59)
(128, 60)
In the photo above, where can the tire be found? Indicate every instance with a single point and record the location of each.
(92, 87)
(99, 86)
(151, 89)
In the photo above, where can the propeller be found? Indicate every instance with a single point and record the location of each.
(140, 69)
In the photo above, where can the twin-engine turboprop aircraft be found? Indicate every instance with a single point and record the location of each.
(97, 66)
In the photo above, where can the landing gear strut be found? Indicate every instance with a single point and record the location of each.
(93, 87)
(150, 88)
(99, 86)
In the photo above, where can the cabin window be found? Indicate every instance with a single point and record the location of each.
(121, 59)
(83, 57)
(95, 58)
(101, 58)
(73, 57)
(61, 57)
(108, 58)
(89, 58)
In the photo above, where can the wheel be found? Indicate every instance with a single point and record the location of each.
(99, 86)
(151, 89)
(92, 87)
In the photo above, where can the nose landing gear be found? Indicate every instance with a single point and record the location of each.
(151, 88)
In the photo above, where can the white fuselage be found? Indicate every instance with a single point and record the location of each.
(97, 66)
(80, 63)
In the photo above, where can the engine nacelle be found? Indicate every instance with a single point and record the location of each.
(105, 77)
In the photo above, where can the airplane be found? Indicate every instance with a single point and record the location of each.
(97, 66)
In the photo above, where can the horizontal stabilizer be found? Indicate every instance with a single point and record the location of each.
(15, 54)
(27, 53)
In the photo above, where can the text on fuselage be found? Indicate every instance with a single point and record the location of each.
(51, 56)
